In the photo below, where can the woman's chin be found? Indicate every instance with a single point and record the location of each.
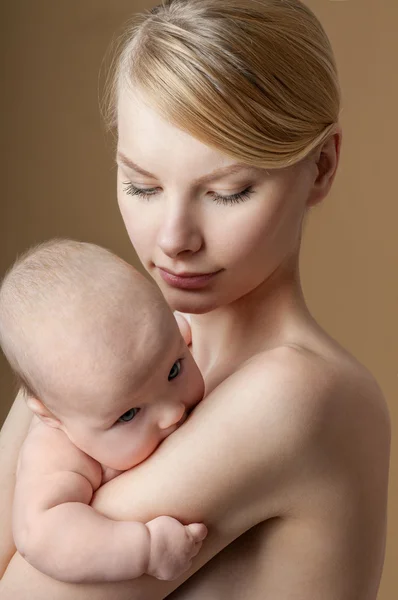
(190, 307)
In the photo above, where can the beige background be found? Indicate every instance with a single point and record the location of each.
(58, 177)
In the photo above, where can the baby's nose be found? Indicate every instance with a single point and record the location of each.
(171, 414)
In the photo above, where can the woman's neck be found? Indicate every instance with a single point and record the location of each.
(272, 314)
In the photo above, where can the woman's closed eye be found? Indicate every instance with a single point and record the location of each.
(147, 193)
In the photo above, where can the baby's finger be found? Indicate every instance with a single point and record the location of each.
(195, 550)
(198, 531)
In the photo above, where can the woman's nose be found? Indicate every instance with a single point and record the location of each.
(179, 232)
(171, 414)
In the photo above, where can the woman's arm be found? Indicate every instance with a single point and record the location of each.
(12, 436)
(230, 466)
(61, 535)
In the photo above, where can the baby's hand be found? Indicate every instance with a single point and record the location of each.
(173, 546)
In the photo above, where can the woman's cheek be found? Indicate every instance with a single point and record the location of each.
(130, 220)
(137, 238)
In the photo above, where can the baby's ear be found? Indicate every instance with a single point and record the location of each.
(41, 411)
(184, 327)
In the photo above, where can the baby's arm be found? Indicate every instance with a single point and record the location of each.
(57, 531)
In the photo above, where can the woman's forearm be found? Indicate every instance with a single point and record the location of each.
(12, 436)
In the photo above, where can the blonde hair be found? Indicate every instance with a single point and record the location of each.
(255, 79)
(64, 288)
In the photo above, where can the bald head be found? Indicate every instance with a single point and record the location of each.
(68, 305)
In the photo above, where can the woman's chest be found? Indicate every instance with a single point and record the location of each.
(233, 574)
(280, 559)
(218, 373)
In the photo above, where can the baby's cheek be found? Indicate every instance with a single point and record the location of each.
(134, 448)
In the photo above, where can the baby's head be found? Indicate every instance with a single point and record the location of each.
(97, 350)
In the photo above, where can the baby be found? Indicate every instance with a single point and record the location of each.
(108, 377)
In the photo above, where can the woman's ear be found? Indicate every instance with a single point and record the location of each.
(326, 160)
(41, 411)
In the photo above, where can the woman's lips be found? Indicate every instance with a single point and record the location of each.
(191, 282)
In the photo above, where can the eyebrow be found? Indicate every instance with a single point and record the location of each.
(236, 168)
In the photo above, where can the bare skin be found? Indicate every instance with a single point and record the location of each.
(329, 540)
(286, 459)
(104, 416)
(59, 480)
(323, 528)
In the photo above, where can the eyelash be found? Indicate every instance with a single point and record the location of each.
(132, 190)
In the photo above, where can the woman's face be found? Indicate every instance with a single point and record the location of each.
(186, 223)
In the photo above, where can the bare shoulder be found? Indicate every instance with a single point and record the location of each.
(315, 390)
(47, 450)
(284, 415)
(328, 412)
(318, 380)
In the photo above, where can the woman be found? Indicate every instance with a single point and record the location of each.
(227, 114)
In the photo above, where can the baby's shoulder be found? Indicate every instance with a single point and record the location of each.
(47, 450)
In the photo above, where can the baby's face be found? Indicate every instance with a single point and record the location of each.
(133, 413)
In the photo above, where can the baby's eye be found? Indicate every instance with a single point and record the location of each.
(175, 369)
(129, 415)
